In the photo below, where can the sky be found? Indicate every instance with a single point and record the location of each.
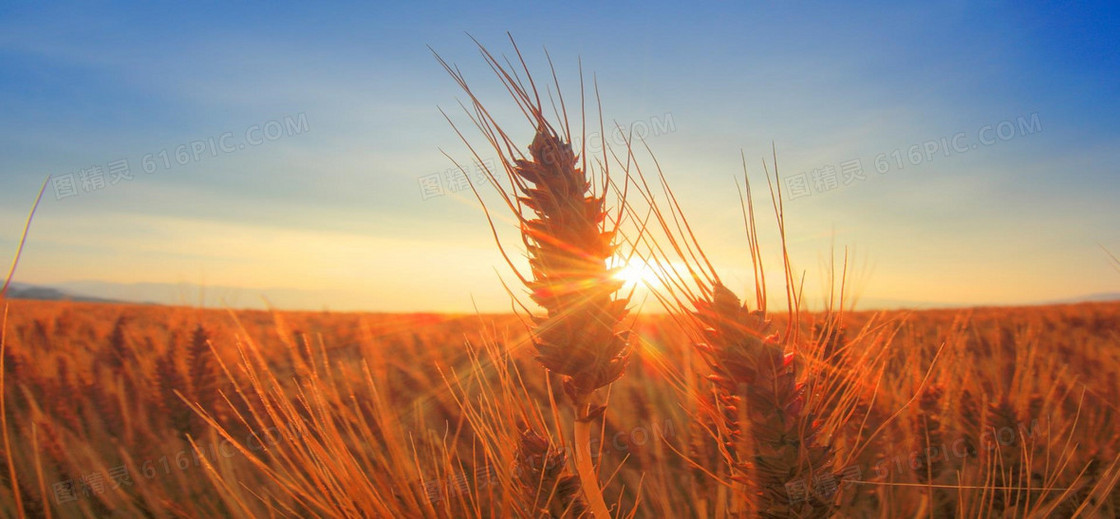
(296, 155)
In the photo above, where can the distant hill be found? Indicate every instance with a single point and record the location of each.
(190, 294)
(285, 298)
(46, 293)
(1092, 298)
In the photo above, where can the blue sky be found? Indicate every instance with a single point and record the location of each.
(332, 214)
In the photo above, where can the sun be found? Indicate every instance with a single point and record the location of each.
(635, 272)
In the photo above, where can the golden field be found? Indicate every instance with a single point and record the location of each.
(988, 412)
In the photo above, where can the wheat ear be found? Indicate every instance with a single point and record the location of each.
(751, 369)
(569, 239)
(769, 438)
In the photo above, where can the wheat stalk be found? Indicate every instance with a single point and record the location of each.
(758, 403)
(569, 238)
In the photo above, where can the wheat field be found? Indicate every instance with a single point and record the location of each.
(727, 403)
(997, 412)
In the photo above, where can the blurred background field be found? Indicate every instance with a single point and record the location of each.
(978, 412)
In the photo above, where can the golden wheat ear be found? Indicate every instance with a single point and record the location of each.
(540, 474)
(758, 403)
(562, 214)
(771, 441)
(569, 250)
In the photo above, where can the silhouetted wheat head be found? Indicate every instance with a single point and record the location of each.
(758, 406)
(751, 370)
(541, 474)
(561, 211)
(569, 248)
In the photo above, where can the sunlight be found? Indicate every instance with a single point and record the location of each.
(635, 272)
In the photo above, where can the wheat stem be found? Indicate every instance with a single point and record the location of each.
(13, 480)
(584, 468)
